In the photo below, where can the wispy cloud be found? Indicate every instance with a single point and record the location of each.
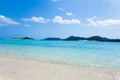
(69, 14)
(61, 9)
(6, 21)
(60, 20)
(36, 19)
(55, 0)
(112, 1)
(98, 22)
(27, 25)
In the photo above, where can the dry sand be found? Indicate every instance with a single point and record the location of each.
(24, 69)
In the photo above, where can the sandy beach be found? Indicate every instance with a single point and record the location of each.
(24, 69)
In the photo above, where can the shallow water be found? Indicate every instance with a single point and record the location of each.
(97, 54)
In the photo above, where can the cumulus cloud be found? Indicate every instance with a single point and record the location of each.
(69, 14)
(61, 9)
(60, 20)
(36, 19)
(97, 22)
(6, 21)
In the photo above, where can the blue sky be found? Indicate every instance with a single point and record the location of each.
(59, 18)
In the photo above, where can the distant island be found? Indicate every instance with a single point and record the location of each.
(24, 38)
(92, 38)
(74, 38)
(52, 38)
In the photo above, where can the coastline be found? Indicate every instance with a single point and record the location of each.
(13, 68)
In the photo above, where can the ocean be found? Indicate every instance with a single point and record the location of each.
(84, 53)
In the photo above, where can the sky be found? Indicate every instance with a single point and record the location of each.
(59, 18)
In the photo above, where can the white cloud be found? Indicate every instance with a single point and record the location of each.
(27, 25)
(36, 19)
(97, 22)
(6, 21)
(55, 0)
(61, 9)
(69, 14)
(112, 1)
(60, 20)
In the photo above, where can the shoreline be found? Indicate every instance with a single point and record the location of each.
(56, 62)
(13, 68)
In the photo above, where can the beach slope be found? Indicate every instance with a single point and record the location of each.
(24, 69)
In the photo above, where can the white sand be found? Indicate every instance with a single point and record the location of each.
(22, 69)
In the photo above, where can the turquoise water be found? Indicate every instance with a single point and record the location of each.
(100, 54)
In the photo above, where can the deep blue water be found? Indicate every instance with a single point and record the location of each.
(100, 54)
